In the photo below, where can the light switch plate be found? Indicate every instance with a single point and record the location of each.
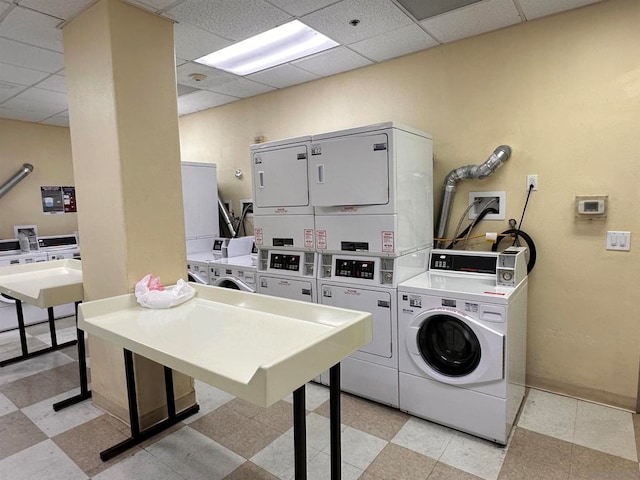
(617, 240)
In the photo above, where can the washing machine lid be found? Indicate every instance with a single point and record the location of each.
(456, 285)
(246, 261)
(455, 349)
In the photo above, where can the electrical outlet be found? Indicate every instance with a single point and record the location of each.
(618, 240)
(532, 180)
(496, 200)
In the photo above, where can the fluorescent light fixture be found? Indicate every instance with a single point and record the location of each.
(279, 45)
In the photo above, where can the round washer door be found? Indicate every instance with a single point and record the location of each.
(233, 283)
(453, 348)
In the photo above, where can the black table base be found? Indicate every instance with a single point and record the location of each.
(299, 420)
(85, 393)
(23, 338)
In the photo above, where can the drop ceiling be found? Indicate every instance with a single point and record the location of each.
(32, 81)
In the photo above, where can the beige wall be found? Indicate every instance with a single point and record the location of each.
(564, 92)
(48, 149)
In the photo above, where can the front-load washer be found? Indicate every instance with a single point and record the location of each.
(237, 273)
(287, 274)
(369, 283)
(462, 341)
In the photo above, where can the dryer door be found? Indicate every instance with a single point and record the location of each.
(454, 348)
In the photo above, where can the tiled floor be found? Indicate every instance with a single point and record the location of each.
(556, 437)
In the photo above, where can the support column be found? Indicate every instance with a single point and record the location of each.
(121, 81)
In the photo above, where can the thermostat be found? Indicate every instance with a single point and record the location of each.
(591, 206)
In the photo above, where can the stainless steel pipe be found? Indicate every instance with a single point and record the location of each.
(26, 169)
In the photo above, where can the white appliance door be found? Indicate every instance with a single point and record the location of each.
(350, 171)
(287, 288)
(200, 197)
(378, 303)
(280, 177)
(453, 348)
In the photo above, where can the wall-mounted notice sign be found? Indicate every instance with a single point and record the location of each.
(58, 200)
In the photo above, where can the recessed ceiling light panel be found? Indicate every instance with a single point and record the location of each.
(279, 45)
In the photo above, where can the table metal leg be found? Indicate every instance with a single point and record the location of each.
(334, 414)
(23, 339)
(300, 433)
(85, 393)
(137, 435)
(52, 327)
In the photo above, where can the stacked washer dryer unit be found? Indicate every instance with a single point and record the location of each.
(283, 219)
(462, 337)
(372, 192)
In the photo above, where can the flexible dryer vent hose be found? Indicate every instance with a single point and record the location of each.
(26, 169)
(497, 158)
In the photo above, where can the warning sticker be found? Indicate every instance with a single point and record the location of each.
(257, 234)
(308, 237)
(321, 239)
(471, 307)
(387, 242)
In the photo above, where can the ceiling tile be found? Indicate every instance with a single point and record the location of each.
(193, 42)
(423, 10)
(185, 89)
(201, 100)
(299, 8)
(21, 55)
(336, 60)
(19, 75)
(32, 27)
(394, 44)
(540, 8)
(57, 121)
(376, 17)
(22, 114)
(56, 83)
(214, 77)
(242, 88)
(45, 99)
(472, 20)
(153, 5)
(8, 90)
(283, 76)
(44, 109)
(231, 20)
(64, 9)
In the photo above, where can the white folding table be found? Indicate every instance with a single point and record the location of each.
(46, 285)
(256, 347)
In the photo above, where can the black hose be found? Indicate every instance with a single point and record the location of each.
(479, 218)
(519, 234)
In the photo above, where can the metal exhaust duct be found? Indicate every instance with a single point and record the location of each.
(227, 218)
(495, 161)
(26, 169)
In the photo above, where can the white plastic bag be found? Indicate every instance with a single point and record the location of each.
(151, 294)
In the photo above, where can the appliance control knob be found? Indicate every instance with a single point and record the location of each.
(507, 276)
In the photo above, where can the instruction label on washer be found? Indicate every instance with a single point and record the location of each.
(471, 307)
(387, 241)
(257, 234)
(308, 237)
(321, 239)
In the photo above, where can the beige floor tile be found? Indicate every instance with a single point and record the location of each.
(350, 408)
(549, 414)
(43, 327)
(636, 428)
(534, 456)
(398, 463)
(84, 443)
(249, 471)
(249, 438)
(588, 464)
(278, 416)
(447, 472)
(17, 432)
(40, 386)
(245, 408)
(379, 420)
(220, 423)
(605, 429)
(13, 349)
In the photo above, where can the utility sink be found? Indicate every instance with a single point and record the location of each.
(256, 347)
(43, 284)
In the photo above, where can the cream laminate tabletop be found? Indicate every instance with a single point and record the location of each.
(253, 346)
